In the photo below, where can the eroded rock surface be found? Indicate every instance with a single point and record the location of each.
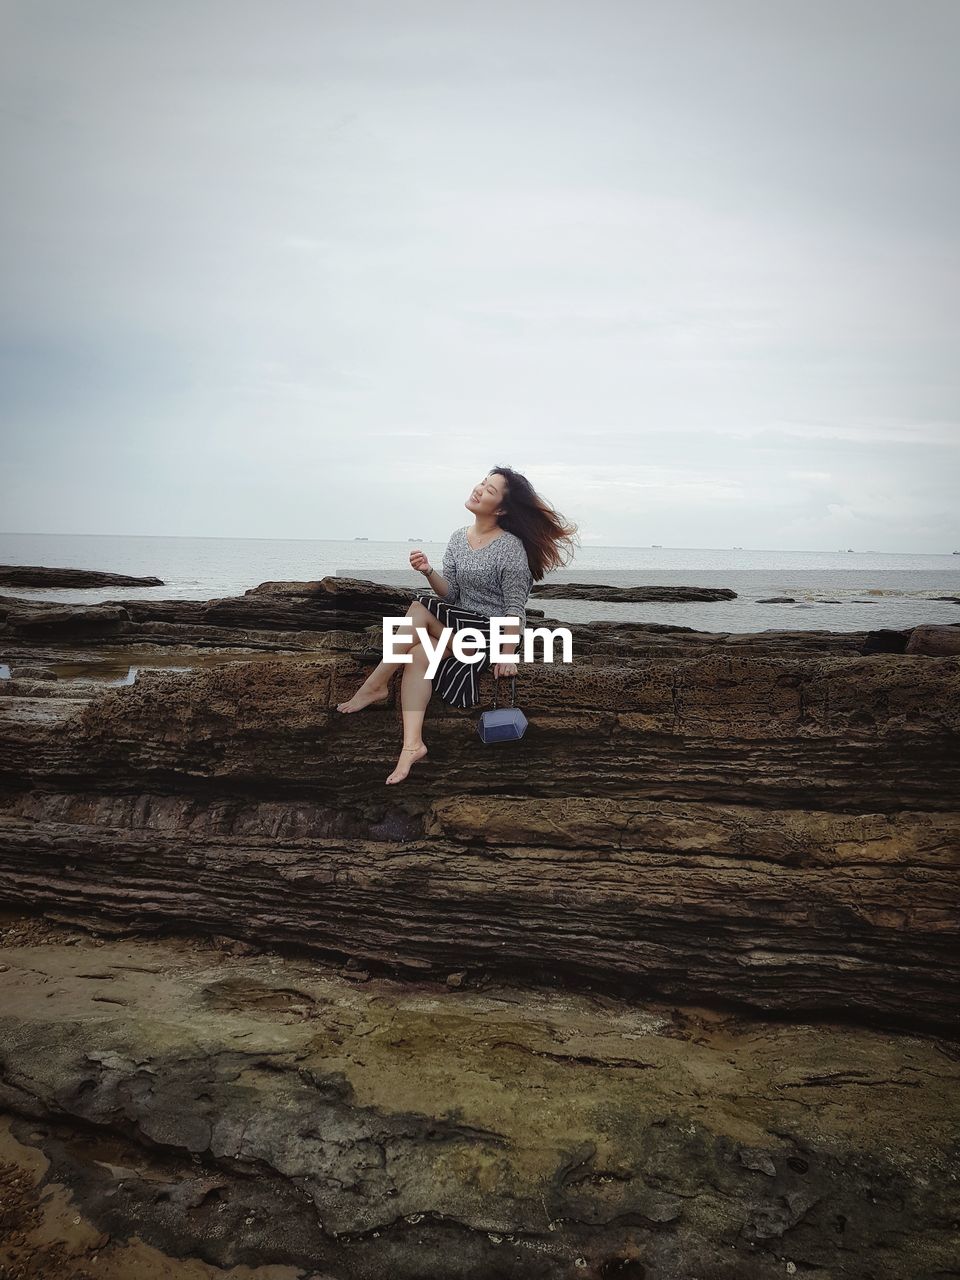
(264, 1108)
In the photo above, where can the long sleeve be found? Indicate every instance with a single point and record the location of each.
(449, 571)
(515, 583)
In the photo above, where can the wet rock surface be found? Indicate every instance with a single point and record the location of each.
(242, 1109)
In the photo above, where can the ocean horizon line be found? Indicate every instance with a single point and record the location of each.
(601, 546)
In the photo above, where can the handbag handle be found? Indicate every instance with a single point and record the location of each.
(513, 689)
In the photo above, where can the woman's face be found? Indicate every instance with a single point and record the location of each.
(486, 497)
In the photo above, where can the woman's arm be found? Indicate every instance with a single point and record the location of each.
(440, 585)
(446, 586)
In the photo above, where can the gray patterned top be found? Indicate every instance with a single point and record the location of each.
(494, 581)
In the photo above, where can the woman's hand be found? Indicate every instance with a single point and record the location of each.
(419, 562)
(504, 669)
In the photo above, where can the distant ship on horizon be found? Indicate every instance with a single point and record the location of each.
(361, 539)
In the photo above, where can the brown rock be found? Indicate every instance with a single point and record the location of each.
(20, 575)
(164, 1097)
(763, 819)
(629, 595)
(934, 640)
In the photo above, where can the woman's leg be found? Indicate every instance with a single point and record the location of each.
(415, 693)
(376, 687)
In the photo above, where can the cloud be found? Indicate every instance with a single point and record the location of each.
(695, 273)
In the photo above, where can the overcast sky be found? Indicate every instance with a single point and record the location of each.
(310, 269)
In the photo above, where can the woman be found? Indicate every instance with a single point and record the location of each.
(488, 570)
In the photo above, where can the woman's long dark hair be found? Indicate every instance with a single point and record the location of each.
(540, 528)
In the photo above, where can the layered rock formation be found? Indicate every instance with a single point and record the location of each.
(698, 818)
(630, 595)
(23, 575)
(764, 827)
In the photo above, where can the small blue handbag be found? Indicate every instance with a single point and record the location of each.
(503, 724)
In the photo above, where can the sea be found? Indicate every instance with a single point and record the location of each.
(832, 591)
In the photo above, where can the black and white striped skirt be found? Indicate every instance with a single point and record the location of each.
(458, 683)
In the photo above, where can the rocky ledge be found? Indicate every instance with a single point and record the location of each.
(630, 595)
(752, 837)
(23, 575)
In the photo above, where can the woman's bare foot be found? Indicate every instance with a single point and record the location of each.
(408, 756)
(362, 698)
